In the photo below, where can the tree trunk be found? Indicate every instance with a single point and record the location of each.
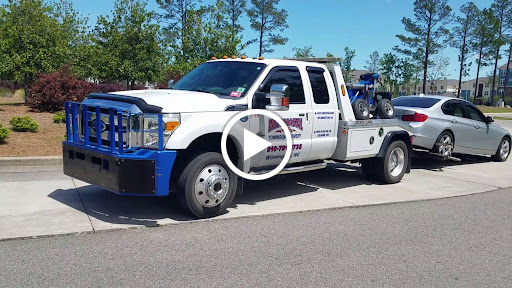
(478, 72)
(425, 63)
(261, 36)
(506, 71)
(461, 64)
(494, 76)
(127, 84)
(26, 84)
(132, 85)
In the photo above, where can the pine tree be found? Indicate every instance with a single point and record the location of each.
(428, 31)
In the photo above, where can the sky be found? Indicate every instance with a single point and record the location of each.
(327, 26)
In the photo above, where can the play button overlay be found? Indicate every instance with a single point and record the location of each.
(254, 144)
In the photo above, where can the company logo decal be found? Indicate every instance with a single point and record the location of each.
(290, 122)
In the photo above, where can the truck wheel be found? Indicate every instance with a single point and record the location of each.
(391, 168)
(386, 109)
(361, 110)
(368, 168)
(207, 185)
(503, 150)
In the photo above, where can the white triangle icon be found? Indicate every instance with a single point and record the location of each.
(253, 144)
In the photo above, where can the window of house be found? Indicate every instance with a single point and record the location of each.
(502, 81)
(419, 89)
(502, 72)
(474, 85)
(318, 85)
(289, 76)
(486, 85)
(442, 87)
(486, 93)
(501, 91)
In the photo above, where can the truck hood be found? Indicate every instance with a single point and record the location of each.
(180, 101)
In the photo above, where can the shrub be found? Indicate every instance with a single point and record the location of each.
(139, 87)
(4, 133)
(51, 90)
(24, 124)
(59, 117)
(6, 88)
(109, 87)
(7, 85)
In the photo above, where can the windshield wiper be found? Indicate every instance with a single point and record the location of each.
(206, 91)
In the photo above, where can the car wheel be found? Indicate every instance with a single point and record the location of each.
(207, 186)
(444, 144)
(386, 109)
(391, 168)
(361, 110)
(503, 150)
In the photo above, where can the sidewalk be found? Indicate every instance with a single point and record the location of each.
(41, 201)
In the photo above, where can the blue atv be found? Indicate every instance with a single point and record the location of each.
(366, 101)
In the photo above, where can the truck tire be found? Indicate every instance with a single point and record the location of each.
(207, 186)
(361, 110)
(368, 168)
(385, 109)
(391, 168)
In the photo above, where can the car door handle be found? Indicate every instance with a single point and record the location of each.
(477, 127)
(301, 114)
(454, 121)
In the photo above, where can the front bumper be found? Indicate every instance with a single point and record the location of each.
(143, 172)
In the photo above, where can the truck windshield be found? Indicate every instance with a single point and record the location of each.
(224, 78)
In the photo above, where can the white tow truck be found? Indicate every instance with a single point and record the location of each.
(168, 142)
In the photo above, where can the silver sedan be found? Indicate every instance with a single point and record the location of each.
(444, 125)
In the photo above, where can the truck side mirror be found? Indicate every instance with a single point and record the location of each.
(170, 83)
(259, 100)
(279, 98)
(489, 119)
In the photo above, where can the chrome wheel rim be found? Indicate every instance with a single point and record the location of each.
(505, 149)
(363, 109)
(396, 162)
(446, 146)
(211, 186)
(388, 109)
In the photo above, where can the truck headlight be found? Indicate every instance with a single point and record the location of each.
(169, 121)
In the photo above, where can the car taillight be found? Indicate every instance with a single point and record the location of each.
(416, 117)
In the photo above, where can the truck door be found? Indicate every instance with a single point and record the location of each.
(323, 117)
(296, 118)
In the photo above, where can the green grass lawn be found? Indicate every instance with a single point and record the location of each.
(490, 109)
(501, 118)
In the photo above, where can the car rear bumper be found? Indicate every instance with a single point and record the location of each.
(143, 172)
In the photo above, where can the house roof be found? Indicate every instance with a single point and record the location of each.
(504, 66)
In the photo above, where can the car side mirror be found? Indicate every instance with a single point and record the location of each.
(279, 98)
(170, 83)
(490, 119)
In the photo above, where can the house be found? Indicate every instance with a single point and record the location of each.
(502, 72)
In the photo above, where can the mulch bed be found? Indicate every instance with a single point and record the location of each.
(46, 142)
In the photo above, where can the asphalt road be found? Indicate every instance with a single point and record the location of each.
(457, 242)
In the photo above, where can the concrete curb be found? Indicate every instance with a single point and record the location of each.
(30, 161)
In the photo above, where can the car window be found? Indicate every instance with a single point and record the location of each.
(416, 102)
(453, 108)
(319, 87)
(289, 76)
(474, 114)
